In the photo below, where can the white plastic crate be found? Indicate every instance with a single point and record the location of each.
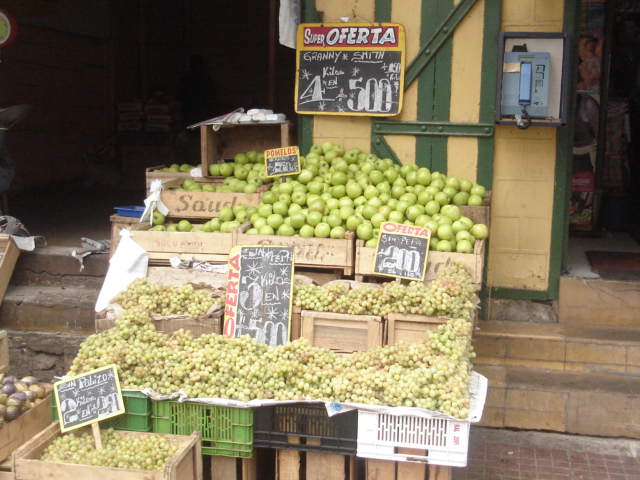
(444, 441)
(439, 440)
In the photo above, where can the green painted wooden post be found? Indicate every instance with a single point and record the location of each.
(383, 10)
(305, 122)
(434, 86)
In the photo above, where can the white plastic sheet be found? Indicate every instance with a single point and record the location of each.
(129, 262)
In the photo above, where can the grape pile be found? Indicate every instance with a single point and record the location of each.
(451, 294)
(433, 374)
(165, 300)
(149, 452)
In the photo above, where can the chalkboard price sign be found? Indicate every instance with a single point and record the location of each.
(350, 69)
(88, 398)
(259, 293)
(282, 161)
(402, 251)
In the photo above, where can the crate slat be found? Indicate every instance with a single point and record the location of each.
(10, 253)
(15, 433)
(4, 351)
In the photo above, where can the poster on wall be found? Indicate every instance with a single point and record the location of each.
(584, 199)
(350, 69)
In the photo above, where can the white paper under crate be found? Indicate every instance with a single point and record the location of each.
(444, 440)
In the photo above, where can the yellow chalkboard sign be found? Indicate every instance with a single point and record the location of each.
(88, 398)
(350, 69)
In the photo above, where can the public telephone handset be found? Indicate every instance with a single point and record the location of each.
(525, 85)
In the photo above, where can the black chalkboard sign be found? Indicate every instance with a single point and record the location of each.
(402, 251)
(282, 161)
(88, 398)
(259, 293)
(350, 69)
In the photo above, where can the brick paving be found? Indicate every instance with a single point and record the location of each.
(494, 460)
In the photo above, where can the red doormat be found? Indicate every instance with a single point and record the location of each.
(615, 265)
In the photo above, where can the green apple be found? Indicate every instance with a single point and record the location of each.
(184, 226)
(285, 230)
(158, 218)
(275, 220)
(445, 232)
(337, 232)
(322, 230)
(464, 246)
(364, 231)
(307, 231)
(474, 200)
(479, 231)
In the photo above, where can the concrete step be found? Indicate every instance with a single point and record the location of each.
(55, 266)
(599, 302)
(49, 308)
(559, 347)
(599, 404)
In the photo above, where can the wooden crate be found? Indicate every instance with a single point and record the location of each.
(4, 351)
(322, 253)
(9, 256)
(154, 173)
(296, 465)
(118, 222)
(6, 473)
(201, 205)
(208, 323)
(408, 328)
(436, 261)
(341, 332)
(229, 468)
(296, 323)
(226, 142)
(26, 426)
(387, 470)
(186, 464)
(204, 246)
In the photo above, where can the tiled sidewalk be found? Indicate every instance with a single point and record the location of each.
(493, 458)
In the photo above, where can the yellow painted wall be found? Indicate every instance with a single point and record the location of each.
(523, 176)
(524, 160)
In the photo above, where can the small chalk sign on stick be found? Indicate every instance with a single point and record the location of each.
(402, 251)
(88, 399)
(259, 293)
(282, 161)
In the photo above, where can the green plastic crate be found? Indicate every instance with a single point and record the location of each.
(137, 416)
(226, 431)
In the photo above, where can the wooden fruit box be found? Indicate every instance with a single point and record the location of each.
(324, 253)
(211, 322)
(408, 328)
(118, 222)
(341, 332)
(199, 205)
(161, 246)
(4, 351)
(26, 426)
(155, 173)
(6, 473)
(186, 464)
(436, 261)
(230, 468)
(230, 140)
(9, 254)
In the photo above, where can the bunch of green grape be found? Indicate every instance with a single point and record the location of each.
(149, 452)
(432, 374)
(451, 294)
(166, 300)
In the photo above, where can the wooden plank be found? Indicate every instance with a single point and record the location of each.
(4, 351)
(10, 254)
(15, 433)
(324, 466)
(223, 468)
(296, 323)
(27, 466)
(341, 332)
(201, 205)
(287, 465)
(161, 246)
(437, 261)
(438, 472)
(326, 253)
(249, 469)
(118, 222)
(380, 470)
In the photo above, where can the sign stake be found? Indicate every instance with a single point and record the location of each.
(95, 429)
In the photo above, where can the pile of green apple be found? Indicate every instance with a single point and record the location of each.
(227, 220)
(244, 174)
(339, 191)
(175, 168)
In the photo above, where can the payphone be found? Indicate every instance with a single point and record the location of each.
(525, 86)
